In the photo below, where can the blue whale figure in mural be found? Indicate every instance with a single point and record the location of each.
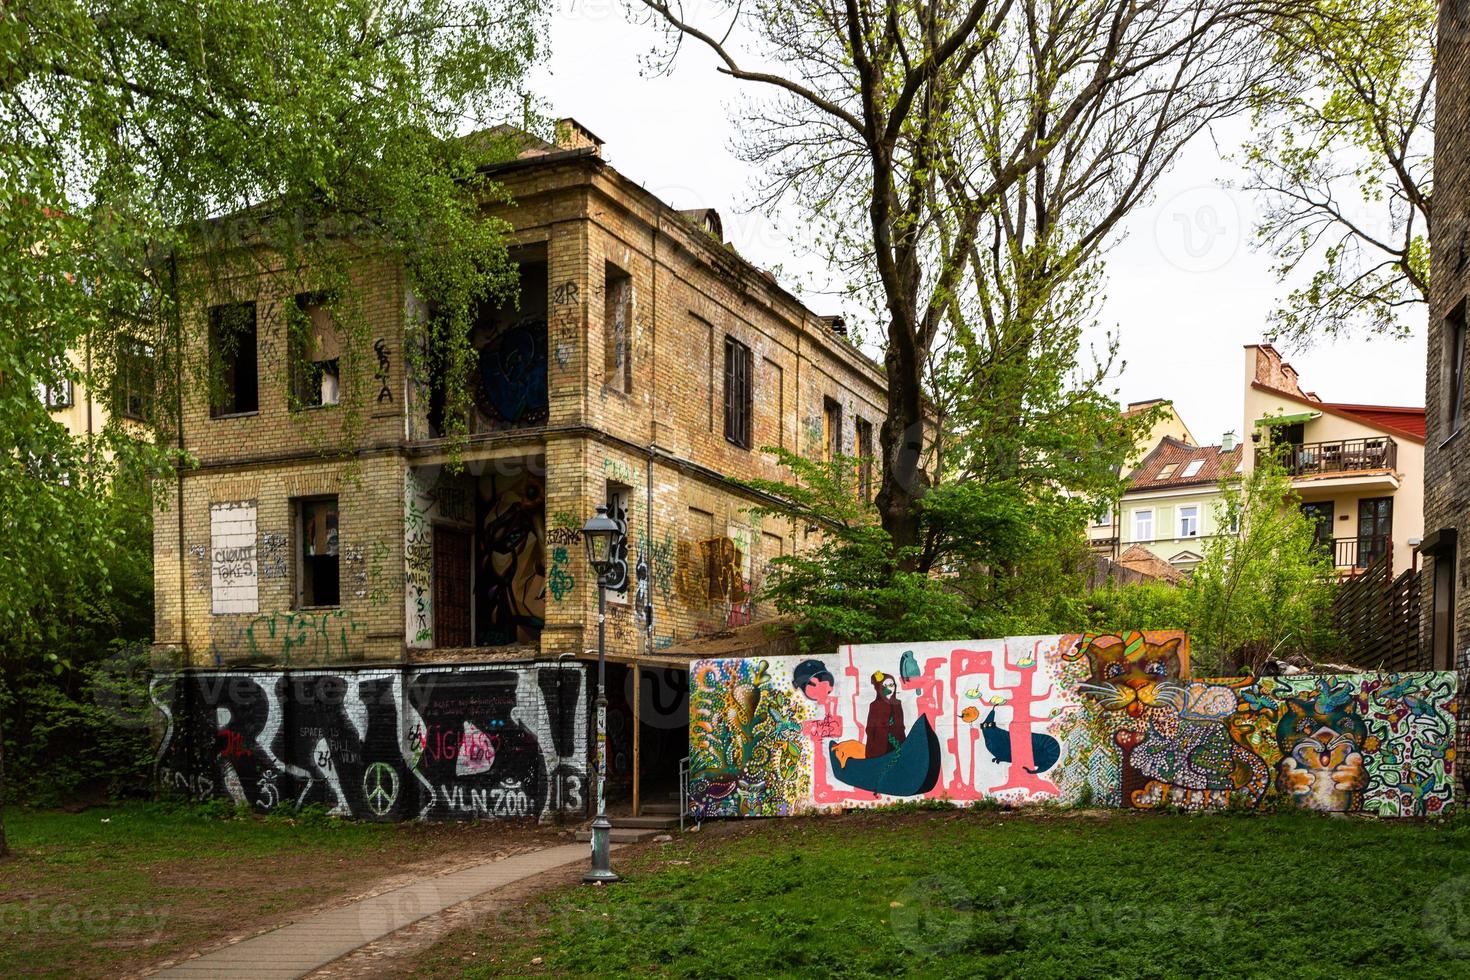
(912, 769)
(1045, 750)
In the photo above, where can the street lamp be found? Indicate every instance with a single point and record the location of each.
(603, 537)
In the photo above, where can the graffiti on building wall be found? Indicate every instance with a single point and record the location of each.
(512, 391)
(301, 637)
(418, 562)
(380, 744)
(511, 574)
(234, 582)
(272, 556)
(382, 371)
(1112, 718)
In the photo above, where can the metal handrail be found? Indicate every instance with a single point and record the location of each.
(684, 800)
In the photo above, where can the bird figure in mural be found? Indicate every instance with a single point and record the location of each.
(908, 666)
(1045, 750)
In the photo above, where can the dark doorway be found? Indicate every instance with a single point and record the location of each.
(663, 733)
(1375, 527)
(451, 587)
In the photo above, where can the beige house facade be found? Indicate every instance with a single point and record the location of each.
(1359, 469)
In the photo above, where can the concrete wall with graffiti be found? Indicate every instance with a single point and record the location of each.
(431, 744)
(1111, 719)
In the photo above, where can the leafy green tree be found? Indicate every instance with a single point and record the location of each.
(154, 149)
(1266, 589)
(918, 137)
(1343, 156)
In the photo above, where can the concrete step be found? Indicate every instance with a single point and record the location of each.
(647, 821)
(660, 809)
(619, 835)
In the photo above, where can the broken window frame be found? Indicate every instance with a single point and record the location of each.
(228, 358)
(739, 393)
(309, 564)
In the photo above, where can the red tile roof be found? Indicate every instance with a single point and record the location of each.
(1397, 419)
(1215, 463)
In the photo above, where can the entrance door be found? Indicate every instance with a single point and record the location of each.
(451, 587)
(1375, 525)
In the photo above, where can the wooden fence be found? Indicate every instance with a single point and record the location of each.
(1377, 618)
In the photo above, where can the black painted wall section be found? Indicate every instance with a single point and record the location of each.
(433, 744)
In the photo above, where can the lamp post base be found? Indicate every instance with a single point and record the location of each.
(601, 871)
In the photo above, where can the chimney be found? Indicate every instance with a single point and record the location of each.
(1227, 442)
(572, 135)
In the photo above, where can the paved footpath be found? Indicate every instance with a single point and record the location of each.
(313, 942)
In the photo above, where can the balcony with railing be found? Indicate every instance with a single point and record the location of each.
(1350, 555)
(1342, 457)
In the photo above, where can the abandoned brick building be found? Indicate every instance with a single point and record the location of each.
(645, 367)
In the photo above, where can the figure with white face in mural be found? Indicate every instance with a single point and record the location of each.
(885, 717)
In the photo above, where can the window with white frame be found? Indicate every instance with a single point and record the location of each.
(1143, 525)
(1189, 521)
(1192, 469)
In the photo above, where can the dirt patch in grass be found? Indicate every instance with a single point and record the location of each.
(119, 890)
(1031, 894)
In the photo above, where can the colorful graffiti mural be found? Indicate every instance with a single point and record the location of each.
(380, 744)
(1115, 719)
(512, 576)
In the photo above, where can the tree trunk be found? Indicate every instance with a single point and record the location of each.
(902, 442)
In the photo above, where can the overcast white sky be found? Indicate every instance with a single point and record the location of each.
(1185, 290)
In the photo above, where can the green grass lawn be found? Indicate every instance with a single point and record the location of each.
(107, 889)
(974, 894)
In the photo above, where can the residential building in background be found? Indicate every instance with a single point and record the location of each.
(1169, 508)
(1359, 469)
(1102, 533)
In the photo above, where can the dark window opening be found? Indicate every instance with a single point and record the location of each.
(315, 352)
(863, 431)
(1454, 354)
(452, 587)
(619, 496)
(738, 393)
(831, 429)
(234, 386)
(1321, 514)
(617, 325)
(320, 583)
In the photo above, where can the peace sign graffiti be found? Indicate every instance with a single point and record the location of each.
(380, 787)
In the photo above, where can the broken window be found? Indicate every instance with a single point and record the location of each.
(234, 386)
(617, 328)
(738, 395)
(315, 354)
(320, 578)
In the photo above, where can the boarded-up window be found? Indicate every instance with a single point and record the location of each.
(617, 329)
(770, 415)
(738, 396)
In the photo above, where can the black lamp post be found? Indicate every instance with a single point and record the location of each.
(602, 535)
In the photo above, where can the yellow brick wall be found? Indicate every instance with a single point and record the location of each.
(705, 551)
